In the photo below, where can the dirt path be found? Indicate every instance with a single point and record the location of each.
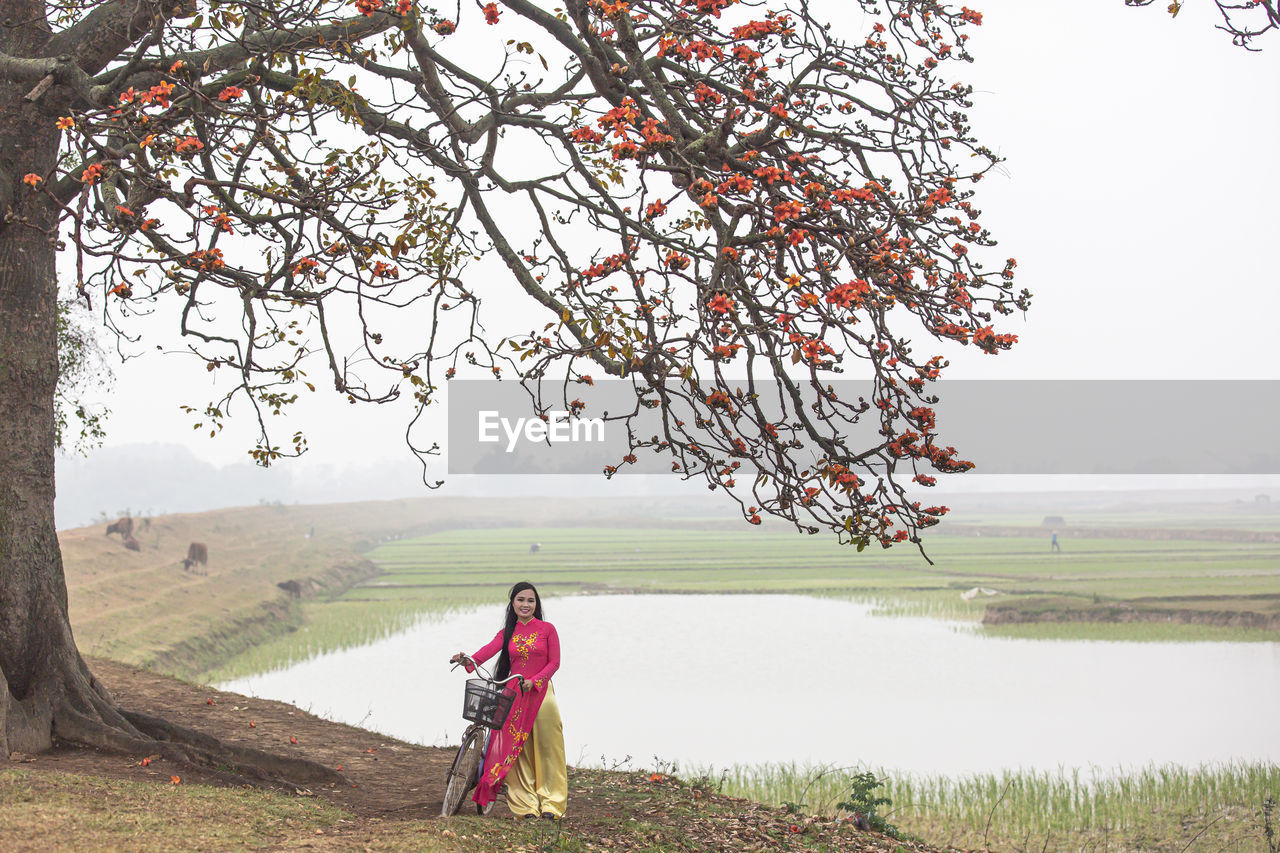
(389, 778)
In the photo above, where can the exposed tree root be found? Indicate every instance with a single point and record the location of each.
(146, 735)
(61, 698)
(244, 759)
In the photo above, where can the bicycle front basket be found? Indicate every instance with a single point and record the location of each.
(486, 704)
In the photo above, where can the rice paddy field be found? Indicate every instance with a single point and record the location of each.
(429, 576)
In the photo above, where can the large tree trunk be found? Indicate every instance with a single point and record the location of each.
(45, 687)
(36, 649)
(40, 669)
(44, 684)
(46, 690)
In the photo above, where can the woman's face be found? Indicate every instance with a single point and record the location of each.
(525, 602)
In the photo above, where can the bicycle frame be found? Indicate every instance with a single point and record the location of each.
(455, 791)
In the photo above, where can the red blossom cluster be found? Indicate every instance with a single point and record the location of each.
(774, 174)
(219, 218)
(207, 260)
(703, 93)
(839, 475)
(709, 7)
(609, 10)
(688, 50)
(719, 400)
(987, 340)
(849, 294)
(721, 303)
(611, 264)
(585, 136)
(188, 146)
(787, 210)
(763, 29)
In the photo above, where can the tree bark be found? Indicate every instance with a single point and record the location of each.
(39, 664)
(41, 671)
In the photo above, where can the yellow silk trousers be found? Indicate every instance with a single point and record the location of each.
(539, 780)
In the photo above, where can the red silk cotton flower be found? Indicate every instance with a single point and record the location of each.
(491, 13)
(720, 304)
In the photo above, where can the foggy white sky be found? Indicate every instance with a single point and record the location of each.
(1136, 197)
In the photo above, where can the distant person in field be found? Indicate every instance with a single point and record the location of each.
(1053, 543)
(529, 750)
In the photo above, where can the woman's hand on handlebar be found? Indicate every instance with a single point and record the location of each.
(525, 684)
(462, 658)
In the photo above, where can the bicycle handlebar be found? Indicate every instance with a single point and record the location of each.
(484, 672)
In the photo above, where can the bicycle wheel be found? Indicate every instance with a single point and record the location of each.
(464, 772)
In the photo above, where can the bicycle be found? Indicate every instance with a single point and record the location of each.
(486, 704)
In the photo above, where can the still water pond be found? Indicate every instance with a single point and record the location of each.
(724, 679)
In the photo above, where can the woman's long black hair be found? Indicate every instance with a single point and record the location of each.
(509, 627)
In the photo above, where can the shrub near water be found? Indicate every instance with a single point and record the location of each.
(1156, 808)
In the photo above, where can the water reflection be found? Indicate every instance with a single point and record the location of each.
(728, 679)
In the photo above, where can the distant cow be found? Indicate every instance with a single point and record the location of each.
(123, 526)
(535, 547)
(197, 555)
(132, 544)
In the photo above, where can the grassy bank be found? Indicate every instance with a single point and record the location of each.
(1153, 809)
